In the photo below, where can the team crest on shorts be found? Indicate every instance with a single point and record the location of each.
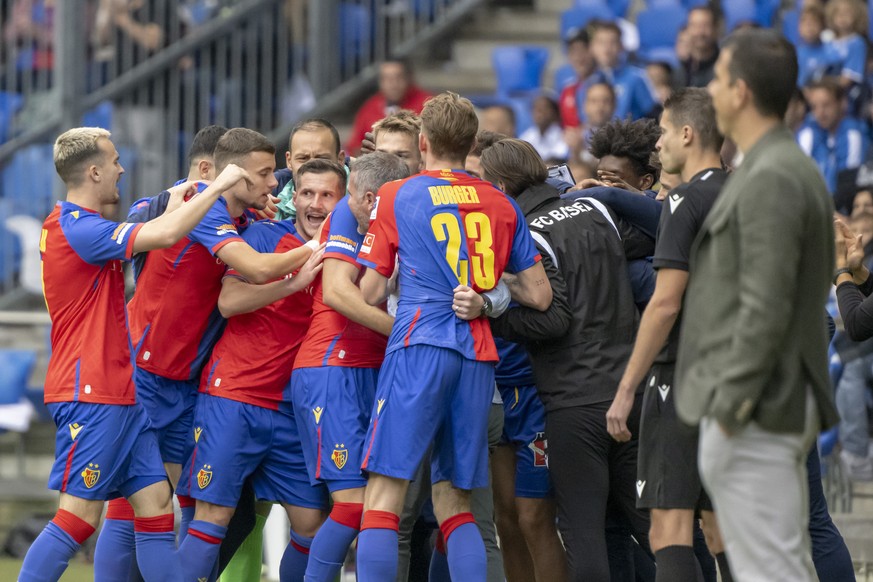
(339, 456)
(539, 447)
(204, 476)
(91, 475)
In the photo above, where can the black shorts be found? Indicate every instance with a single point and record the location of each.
(667, 476)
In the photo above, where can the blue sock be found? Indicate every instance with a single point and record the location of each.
(377, 546)
(113, 556)
(199, 552)
(293, 565)
(331, 543)
(156, 548)
(186, 507)
(466, 550)
(439, 562)
(50, 553)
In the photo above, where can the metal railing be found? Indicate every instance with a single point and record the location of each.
(155, 71)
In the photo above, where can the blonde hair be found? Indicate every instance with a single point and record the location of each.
(404, 121)
(859, 19)
(449, 121)
(74, 148)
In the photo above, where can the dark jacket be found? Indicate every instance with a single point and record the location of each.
(584, 258)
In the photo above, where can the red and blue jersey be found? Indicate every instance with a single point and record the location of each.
(173, 311)
(83, 284)
(514, 368)
(333, 339)
(252, 361)
(447, 228)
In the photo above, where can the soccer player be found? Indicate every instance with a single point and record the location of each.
(398, 134)
(437, 380)
(668, 482)
(335, 373)
(103, 447)
(244, 422)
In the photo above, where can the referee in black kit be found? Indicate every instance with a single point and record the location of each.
(668, 482)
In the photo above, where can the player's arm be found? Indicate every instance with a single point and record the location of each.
(342, 294)
(374, 287)
(657, 321)
(531, 287)
(239, 296)
(260, 268)
(167, 229)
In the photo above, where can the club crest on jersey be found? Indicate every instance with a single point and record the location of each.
(198, 430)
(317, 412)
(339, 456)
(91, 475)
(204, 476)
(539, 447)
(75, 429)
(367, 245)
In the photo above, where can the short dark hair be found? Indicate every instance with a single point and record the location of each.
(704, 8)
(485, 139)
(596, 26)
(515, 163)
(314, 124)
(634, 140)
(237, 143)
(693, 106)
(575, 35)
(204, 142)
(829, 84)
(322, 166)
(767, 63)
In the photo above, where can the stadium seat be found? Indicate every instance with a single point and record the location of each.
(664, 54)
(100, 116)
(521, 106)
(664, 3)
(615, 7)
(10, 251)
(737, 12)
(766, 11)
(659, 26)
(694, 3)
(790, 24)
(519, 69)
(27, 229)
(10, 103)
(17, 366)
(576, 18)
(27, 181)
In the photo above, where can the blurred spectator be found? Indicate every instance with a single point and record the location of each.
(863, 203)
(599, 109)
(498, 118)
(834, 140)
(661, 77)
(702, 30)
(30, 28)
(847, 19)
(579, 56)
(813, 55)
(682, 48)
(795, 115)
(397, 90)
(635, 96)
(545, 135)
(120, 21)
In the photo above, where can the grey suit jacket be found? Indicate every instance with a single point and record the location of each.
(753, 331)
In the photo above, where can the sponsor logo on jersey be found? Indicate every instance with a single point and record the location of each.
(540, 446)
(559, 214)
(317, 411)
(675, 201)
(379, 405)
(75, 214)
(75, 429)
(225, 229)
(121, 232)
(91, 475)
(640, 486)
(198, 430)
(367, 245)
(664, 389)
(204, 476)
(339, 456)
(341, 242)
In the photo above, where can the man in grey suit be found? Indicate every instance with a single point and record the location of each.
(752, 365)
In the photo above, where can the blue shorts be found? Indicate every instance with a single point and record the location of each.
(103, 451)
(431, 395)
(332, 406)
(170, 406)
(235, 440)
(524, 428)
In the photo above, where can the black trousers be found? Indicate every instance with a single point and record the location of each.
(591, 471)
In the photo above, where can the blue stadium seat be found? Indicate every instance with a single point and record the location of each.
(17, 366)
(766, 11)
(519, 69)
(694, 3)
(659, 26)
(790, 24)
(737, 12)
(354, 29)
(564, 75)
(663, 3)
(615, 7)
(664, 54)
(10, 249)
(27, 181)
(10, 103)
(521, 106)
(576, 18)
(100, 116)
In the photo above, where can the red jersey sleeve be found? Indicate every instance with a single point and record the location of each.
(379, 249)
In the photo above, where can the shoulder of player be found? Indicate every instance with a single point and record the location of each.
(268, 230)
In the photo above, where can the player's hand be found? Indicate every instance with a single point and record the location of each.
(229, 177)
(311, 268)
(616, 416)
(467, 304)
(180, 194)
(614, 181)
(271, 209)
(586, 183)
(368, 146)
